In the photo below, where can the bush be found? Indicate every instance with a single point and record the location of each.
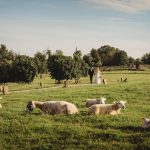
(24, 69)
(61, 67)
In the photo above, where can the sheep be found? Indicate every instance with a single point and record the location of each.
(91, 102)
(111, 109)
(53, 107)
(146, 123)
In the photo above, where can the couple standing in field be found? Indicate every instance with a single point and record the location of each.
(95, 71)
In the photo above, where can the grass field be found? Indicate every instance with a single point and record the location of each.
(37, 131)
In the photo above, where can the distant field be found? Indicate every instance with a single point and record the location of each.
(37, 131)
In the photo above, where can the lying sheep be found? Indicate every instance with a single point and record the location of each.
(146, 122)
(91, 102)
(111, 109)
(53, 107)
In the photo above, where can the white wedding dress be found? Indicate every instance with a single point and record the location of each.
(97, 76)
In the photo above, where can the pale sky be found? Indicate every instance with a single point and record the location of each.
(28, 26)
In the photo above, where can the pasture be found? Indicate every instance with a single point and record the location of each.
(20, 130)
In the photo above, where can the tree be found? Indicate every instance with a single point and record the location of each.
(77, 73)
(5, 72)
(6, 59)
(138, 63)
(107, 53)
(61, 67)
(131, 62)
(121, 58)
(48, 53)
(146, 58)
(88, 59)
(84, 69)
(96, 60)
(6, 55)
(41, 62)
(59, 52)
(23, 69)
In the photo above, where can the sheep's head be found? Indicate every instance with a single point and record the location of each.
(121, 104)
(30, 106)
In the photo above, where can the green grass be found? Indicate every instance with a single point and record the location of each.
(38, 131)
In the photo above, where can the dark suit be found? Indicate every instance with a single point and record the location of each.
(91, 73)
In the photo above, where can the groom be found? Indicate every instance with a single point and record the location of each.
(91, 73)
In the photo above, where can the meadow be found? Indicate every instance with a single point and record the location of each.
(20, 130)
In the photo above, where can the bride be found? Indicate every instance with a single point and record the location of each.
(97, 75)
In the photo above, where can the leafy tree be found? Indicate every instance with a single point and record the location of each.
(61, 67)
(84, 69)
(6, 55)
(59, 53)
(131, 62)
(138, 63)
(5, 72)
(54, 66)
(107, 54)
(24, 69)
(146, 58)
(6, 59)
(77, 73)
(41, 62)
(121, 58)
(67, 68)
(88, 59)
(48, 53)
(96, 60)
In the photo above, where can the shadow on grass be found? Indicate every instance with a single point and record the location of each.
(26, 113)
(131, 128)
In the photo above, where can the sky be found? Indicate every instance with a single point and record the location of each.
(28, 26)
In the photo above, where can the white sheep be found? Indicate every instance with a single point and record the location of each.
(146, 122)
(107, 108)
(91, 102)
(53, 107)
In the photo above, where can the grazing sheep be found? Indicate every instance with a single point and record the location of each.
(111, 109)
(146, 122)
(53, 107)
(91, 102)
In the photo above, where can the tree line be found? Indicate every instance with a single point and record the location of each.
(21, 68)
